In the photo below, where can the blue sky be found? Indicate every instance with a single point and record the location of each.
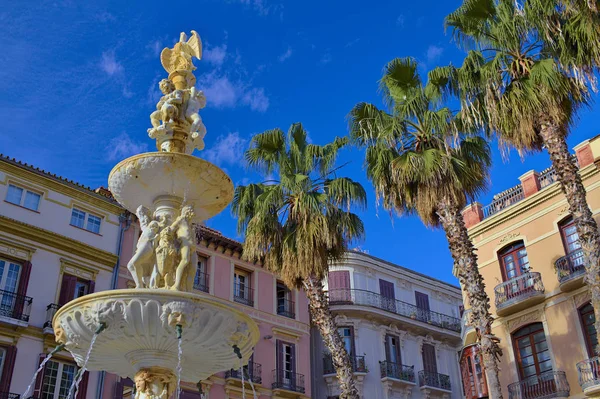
(79, 81)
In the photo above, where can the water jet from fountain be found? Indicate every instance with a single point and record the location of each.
(42, 365)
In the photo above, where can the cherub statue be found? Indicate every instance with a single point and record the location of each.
(184, 275)
(196, 102)
(141, 264)
(149, 385)
(167, 109)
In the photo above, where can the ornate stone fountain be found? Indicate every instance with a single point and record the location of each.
(169, 190)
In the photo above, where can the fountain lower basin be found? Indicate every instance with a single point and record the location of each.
(140, 332)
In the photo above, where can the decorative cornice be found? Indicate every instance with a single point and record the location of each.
(55, 240)
(15, 250)
(530, 317)
(286, 334)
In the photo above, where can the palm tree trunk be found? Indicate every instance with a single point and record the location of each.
(465, 262)
(570, 182)
(321, 316)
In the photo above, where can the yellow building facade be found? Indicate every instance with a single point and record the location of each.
(532, 265)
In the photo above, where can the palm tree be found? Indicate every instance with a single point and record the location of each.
(300, 221)
(526, 84)
(419, 164)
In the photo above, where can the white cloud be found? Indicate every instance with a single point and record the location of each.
(433, 53)
(326, 58)
(215, 55)
(400, 20)
(222, 92)
(256, 99)
(263, 8)
(109, 63)
(123, 146)
(155, 46)
(228, 149)
(286, 55)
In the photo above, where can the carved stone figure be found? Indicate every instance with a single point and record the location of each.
(154, 384)
(196, 102)
(179, 58)
(141, 264)
(166, 253)
(185, 235)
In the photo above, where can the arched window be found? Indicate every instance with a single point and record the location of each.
(513, 260)
(586, 314)
(532, 353)
(473, 376)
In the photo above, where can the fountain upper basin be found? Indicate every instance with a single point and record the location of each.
(140, 332)
(143, 178)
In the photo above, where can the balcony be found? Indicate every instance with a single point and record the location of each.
(358, 365)
(467, 331)
(519, 293)
(551, 384)
(398, 372)
(50, 312)
(288, 381)
(14, 308)
(570, 270)
(201, 281)
(375, 300)
(252, 371)
(243, 294)
(286, 308)
(9, 395)
(589, 376)
(434, 381)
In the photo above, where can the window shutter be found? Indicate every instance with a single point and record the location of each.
(22, 289)
(386, 289)
(7, 369)
(82, 392)
(422, 300)
(119, 389)
(37, 393)
(398, 351)
(92, 285)
(278, 361)
(429, 362)
(338, 280)
(67, 289)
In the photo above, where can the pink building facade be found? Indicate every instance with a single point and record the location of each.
(280, 366)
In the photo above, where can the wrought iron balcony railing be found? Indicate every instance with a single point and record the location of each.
(286, 308)
(243, 294)
(373, 299)
(15, 306)
(358, 364)
(589, 372)
(50, 312)
(518, 289)
(551, 384)
(435, 380)
(397, 371)
(283, 379)
(252, 371)
(504, 200)
(570, 266)
(9, 395)
(201, 281)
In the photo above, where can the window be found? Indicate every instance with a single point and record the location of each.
(347, 334)
(9, 281)
(201, 279)
(570, 238)
(242, 292)
(85, 221)
(422, 301)
(532, 353)
(473, 378)
(586, 314)
(72, 288)
(514, 261)
(23, 197)
(392, 349)
(286, 363)
(285, 305)
(338, 286)
(58, 378)
(2, 358)
(429, 360)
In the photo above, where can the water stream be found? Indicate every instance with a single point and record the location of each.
(39, 370)
(243, 385)
(75, 385)
(252, 386)
(179, 356)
